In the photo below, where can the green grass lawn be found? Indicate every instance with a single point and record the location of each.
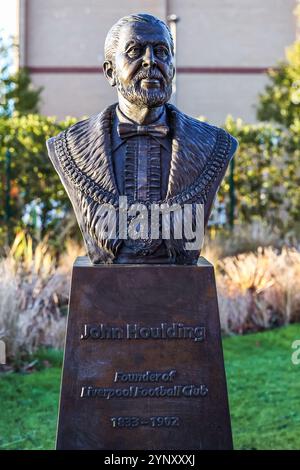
(264, 393)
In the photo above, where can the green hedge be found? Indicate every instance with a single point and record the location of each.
(32, 177)
(266, 174)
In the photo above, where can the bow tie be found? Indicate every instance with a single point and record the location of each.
(126, 130)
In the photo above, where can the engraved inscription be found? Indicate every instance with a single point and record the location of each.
(135, 331)
(148, 376)
(135, 391)
(176, 391)
(152, 421)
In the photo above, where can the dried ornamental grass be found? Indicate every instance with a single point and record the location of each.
(256, 290)
(32, 291)
(72, 250)
(259, 290)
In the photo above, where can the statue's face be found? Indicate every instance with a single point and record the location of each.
(144, 66)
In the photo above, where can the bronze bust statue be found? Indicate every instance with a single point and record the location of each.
(142, 149)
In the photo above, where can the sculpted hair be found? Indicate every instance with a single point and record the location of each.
(113, 35)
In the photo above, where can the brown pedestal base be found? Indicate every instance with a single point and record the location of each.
(143, 365)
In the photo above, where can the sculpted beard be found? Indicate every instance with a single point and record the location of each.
(134, 93)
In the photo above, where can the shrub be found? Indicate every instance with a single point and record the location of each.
(281, 98)
(37, 199)
(266, 175)
(16, 90)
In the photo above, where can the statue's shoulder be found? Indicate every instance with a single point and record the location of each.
(200, 133)
(80, 155)
(56, 144)
(83, 131)
(202, 150)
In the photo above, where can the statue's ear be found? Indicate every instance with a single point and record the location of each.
(109, 72)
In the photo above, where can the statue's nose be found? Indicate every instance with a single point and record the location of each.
(148, 58)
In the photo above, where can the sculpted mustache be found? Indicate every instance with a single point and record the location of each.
(148, 75)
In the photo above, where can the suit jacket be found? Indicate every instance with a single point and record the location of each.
(83, 159)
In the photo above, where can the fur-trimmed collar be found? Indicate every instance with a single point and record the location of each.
(199, 151)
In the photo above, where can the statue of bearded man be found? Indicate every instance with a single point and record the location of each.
(141, 150)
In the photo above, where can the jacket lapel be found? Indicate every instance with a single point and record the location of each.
(89, 143)
(192, 146)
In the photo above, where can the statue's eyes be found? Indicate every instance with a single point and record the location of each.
(161, 52)
(134, 52)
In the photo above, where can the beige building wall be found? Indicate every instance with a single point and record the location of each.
(223, 50)
(245, 34)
